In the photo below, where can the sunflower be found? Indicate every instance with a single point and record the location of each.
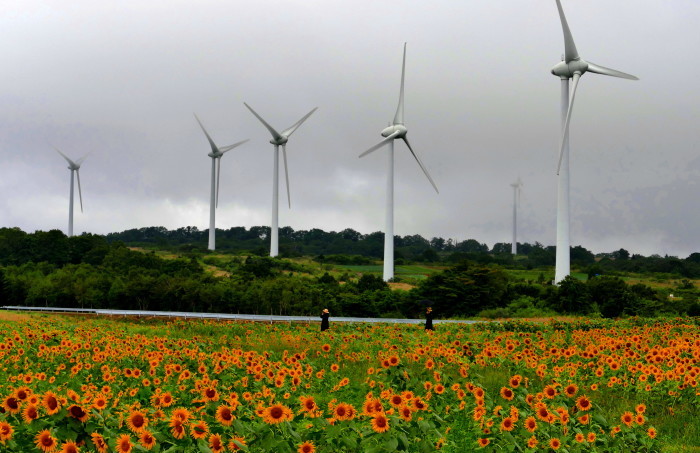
(76, 411)
(405, 413)
(51, 403)
(199, 429)
(507, 393)
(591, 437)
(177, 428)
(210, 394)
(6, 431)
(182, 414)
(277, 413)
(124, 444)
(99, 402)
(554, 443)
(530, 424)
(30, 413)
(380, 423)
(514, 381)
(224, 415)
(483, 441)
(651, 432)
(236, 443)
(532, 442)
(583, 403)
(396, 400)
(137, 421)
(215, 444)
(307, 447)
(11, 405)
(344, 411)
(507, 424)
(579, 438)
(308, 404)
(570, 390)
(147, 440)
(45, 442)
(641, 408)
(99, 442)
(166, 399)
(69, 447)
(627, 418)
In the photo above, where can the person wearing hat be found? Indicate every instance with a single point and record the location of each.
(324, 319)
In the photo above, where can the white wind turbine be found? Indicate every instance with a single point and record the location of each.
(74, 167)
(216, 154)
(279, 139)
(394, 131)
(572, 67)
(517, 188)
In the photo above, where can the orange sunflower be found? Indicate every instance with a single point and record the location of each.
(224, 415)
(69, 447)
(277, 413)
(45, 442)
(6, 431)
(380, 423)
(99, 442)
(199, 429)
(124, 444)
(215, 443)
(51, 403)
(30, 413)
(307, 447)
(137, 421)
(147, 440)
(236, 443)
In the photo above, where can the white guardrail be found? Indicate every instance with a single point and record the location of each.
(220, 316)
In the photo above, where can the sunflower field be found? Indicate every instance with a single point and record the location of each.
(86, 384)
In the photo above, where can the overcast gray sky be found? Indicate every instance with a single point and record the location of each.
(121, 80)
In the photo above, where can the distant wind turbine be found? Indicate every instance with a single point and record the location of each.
(73, 166)
(573, 67)
(517, 188)
(395, 131)
(216, 154)
(279, 139)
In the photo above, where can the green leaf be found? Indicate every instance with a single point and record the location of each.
(203, 446)
(391, 444)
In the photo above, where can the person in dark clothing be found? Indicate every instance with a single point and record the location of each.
(324, 319)
(429, 319)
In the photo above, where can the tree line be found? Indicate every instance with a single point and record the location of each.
(93, 271)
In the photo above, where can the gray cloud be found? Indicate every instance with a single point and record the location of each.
(122, 79)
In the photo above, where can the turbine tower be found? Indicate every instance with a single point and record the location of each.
(395, 130)
(216, 154)
(573, 67)
(517, 188)
(74, 167)
(279, 139)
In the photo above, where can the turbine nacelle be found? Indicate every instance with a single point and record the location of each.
(279, 141)
(398, 129)
(566, 70)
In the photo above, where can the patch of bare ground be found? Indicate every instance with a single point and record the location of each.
(399, 285)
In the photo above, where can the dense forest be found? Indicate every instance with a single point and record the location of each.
(51, 269)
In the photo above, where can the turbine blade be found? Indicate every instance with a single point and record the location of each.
(398, 118)
(565, 131)
(422, 167)
(218, 179)
(225, 149)
(290, 130)
(380, 144)
(570, 52)
(80, 192)
(214, 149)
(79, 162)
(276, 135)
(70, 162)
(286, 174)
(592, 67)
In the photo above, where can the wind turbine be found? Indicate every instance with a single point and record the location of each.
(517, 188)
(216, 154)
(279, 139)
(573, 67)
(394, 131)
(73, 166)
